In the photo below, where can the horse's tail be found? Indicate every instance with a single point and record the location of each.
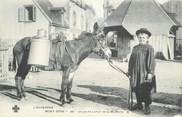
(14, 62)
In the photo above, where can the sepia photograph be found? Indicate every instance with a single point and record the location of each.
(91, 58)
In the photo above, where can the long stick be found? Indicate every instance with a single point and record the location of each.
(130, 97)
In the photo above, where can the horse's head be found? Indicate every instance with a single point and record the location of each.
(101, 45)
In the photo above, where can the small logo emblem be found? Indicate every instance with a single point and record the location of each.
(15, 108)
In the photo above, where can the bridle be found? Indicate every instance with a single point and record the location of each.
(97, 37)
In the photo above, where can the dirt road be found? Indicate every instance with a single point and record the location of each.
(97, 90)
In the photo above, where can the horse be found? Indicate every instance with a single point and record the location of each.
(67, 61)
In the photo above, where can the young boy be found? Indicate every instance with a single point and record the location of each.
(141, 70)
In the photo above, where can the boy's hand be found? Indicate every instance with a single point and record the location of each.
(149, 77)
(128, 75)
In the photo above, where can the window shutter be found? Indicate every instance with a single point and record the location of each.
(20, 14)
(26, 15)
(34, 13)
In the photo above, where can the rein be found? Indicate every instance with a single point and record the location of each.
(117, 68)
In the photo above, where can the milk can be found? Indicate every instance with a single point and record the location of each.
(39, 50)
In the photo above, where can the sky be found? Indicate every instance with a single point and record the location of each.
(98, 5)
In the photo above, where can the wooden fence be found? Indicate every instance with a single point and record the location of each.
(4, 60)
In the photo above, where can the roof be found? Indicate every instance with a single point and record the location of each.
(135, 14)
(173, 18)
(169, 6)
(52, 14)
(79, 4)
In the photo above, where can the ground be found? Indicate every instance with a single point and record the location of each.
(97, 90)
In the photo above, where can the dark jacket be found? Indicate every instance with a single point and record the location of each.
(141, 63)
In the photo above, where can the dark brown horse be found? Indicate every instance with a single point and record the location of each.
(67, 61)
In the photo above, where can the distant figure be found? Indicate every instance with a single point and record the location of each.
(112, 43)
(95, 28)
(141, 70)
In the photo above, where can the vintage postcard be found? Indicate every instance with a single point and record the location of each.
(119, 58)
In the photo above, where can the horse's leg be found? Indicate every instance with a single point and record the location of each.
(22, 87)
(18, 86)
(69, 86)
(25, 72)
(22, 72)
(64, 85)
(18, 77)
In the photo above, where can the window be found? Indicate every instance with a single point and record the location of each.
(59, 15)
(27, 13)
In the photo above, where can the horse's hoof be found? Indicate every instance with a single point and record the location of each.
(70, 100)
(19, 96)
(25, 98)
(24, 95)
(62, 101)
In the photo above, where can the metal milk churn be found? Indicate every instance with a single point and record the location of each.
(39, 50)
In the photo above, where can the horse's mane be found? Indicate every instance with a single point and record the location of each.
(85, 35)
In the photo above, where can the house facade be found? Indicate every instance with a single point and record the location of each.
(23, 18)
(20, 18)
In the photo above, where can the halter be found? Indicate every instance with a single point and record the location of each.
(98, 38)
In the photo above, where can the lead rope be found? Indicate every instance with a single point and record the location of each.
(117, 68)
(130, 94)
